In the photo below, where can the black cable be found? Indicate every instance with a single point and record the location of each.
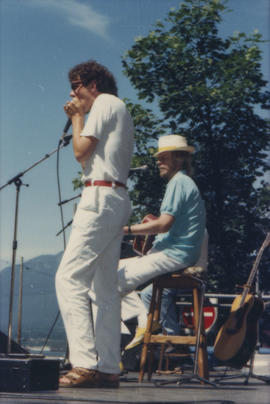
(50, 331)
(63, 227)
(59, 193)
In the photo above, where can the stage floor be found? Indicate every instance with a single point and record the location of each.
(228, 391)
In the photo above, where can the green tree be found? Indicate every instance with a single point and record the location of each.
(212, 91)
(147, 193)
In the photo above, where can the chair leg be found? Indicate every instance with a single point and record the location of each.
(201, 358)
(150, 361)
(158, 298)
(143, 361)
(161, 356)
(198, 298)
(156, 316)
(148, 332)
(203, 355)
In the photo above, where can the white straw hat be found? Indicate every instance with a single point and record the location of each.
(173, 142)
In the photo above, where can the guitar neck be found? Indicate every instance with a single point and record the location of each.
(254, 269)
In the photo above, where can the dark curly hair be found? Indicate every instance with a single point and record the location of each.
(92, 70)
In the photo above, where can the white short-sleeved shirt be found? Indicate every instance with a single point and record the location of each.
(110, 122)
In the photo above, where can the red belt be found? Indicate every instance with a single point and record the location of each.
(112, 184)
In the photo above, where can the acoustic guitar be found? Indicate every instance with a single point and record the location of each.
(143, 243)
(237, 338)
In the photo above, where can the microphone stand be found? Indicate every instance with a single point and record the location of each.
(70, 222)
(250, 373)
(18, 182)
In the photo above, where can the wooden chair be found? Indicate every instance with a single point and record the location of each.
(184, 280)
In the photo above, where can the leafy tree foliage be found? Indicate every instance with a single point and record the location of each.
(147, 193)
(212, 91)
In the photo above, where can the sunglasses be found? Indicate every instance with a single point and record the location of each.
(75, 85)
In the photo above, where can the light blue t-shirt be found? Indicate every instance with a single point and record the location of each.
(182, 200)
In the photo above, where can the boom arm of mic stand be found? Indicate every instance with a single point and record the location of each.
(17, 181)
(64, 228)
(68, 200)
(34, 165)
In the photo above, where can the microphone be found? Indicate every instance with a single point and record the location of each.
(64, 136)
(141, 168)
(67, 126)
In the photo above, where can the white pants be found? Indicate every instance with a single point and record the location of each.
(133, 272)
(132, 306)
(88, 270)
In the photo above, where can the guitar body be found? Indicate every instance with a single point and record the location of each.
(237, 338)
(142, 244)
(250, 340)
(232, 334)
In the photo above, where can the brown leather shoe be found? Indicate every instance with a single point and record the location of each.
(88, 378)
(109, 380)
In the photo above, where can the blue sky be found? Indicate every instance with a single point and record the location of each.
(39, 41)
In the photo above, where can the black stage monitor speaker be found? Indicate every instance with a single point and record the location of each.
(27, 373)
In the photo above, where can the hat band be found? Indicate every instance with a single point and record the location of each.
(167, 148)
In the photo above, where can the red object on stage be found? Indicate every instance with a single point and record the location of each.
(209, 316)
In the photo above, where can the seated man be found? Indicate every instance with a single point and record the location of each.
(179, 228)
(169, 317)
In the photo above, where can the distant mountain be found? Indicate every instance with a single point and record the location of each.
(39, 307)
(4, 264)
